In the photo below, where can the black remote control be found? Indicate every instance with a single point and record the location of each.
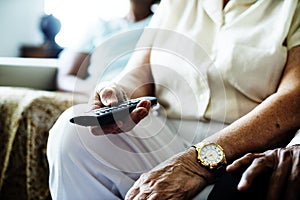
(108, 115)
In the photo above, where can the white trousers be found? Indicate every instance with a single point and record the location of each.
(84, 166)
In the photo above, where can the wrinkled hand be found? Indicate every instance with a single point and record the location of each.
(108, 94)
(284, 165)
(180, 177)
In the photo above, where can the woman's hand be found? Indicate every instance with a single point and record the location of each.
(180, 177)
(109, 94)
(284, 165)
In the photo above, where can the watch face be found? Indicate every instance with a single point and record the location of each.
(211, 154)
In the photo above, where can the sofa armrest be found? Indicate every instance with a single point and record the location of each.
(37, 73)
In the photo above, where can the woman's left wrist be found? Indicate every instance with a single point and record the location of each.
(200, 170)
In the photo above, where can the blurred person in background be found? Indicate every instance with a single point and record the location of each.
(75, 63)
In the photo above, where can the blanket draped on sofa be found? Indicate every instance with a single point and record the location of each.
(26, 115)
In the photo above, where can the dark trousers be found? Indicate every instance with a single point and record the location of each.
(226, 188)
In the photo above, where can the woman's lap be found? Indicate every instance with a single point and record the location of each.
(84, 166)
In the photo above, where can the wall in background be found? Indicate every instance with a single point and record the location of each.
(19, 20)
(75, 19)
(19, 25)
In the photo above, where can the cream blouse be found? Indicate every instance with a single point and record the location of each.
(211, 63)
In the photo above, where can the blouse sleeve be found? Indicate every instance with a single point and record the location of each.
(293, 38)
(157, 18)
(169, 13)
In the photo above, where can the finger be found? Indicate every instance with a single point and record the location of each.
(142, 196)
(243, 161)
(144, 103)
(108, 96)
(112, 95)
(292, 190)
(154, 196)
(133, 191)
(144, 192)
(95, 130)
(128, 124)
(257, 167)
(138, 114)
(121, 94)
(280, 174)
(97, 100)
(135, 117)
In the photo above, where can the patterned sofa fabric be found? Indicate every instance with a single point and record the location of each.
(26, 115)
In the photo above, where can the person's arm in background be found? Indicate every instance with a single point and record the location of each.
(73, 64)
(74, 60)
(72, 71)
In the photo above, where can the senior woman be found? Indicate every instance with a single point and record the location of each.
(227, 76)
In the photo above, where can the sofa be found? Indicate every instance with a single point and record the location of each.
(29, 106)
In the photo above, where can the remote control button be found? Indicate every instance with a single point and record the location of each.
(104, 110)
(134, 101)
(97, 111)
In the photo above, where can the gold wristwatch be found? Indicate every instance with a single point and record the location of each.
(210, 155)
